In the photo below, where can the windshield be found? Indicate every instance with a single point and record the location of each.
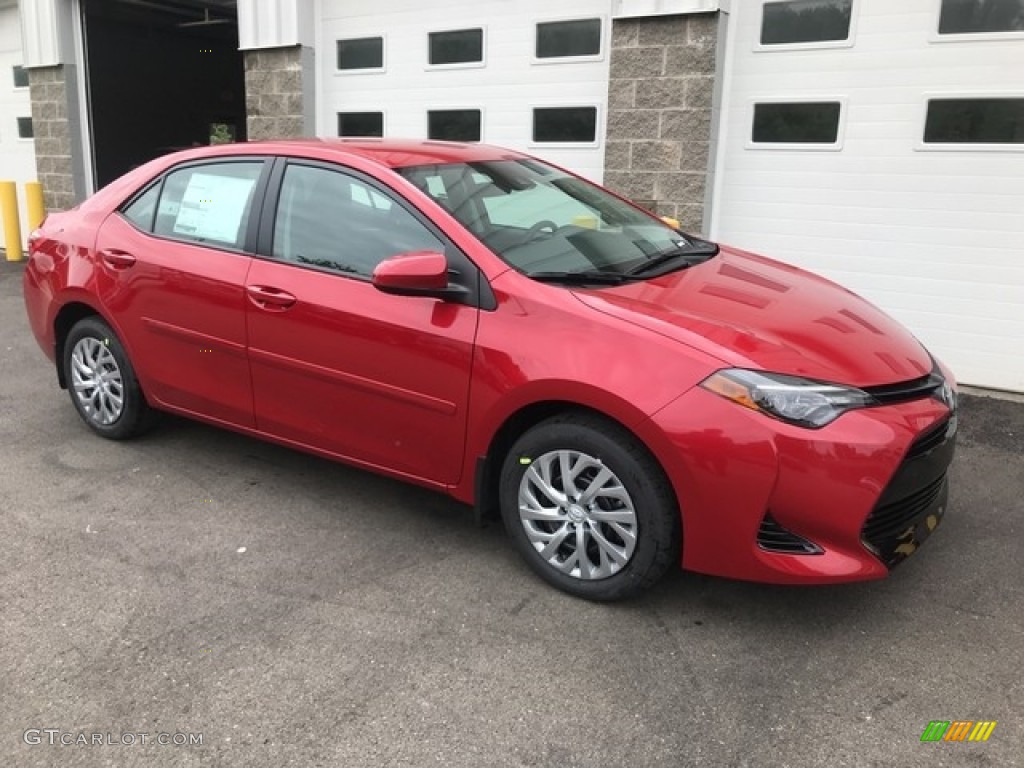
(543, 221)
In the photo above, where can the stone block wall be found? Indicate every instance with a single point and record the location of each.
(659, 113)
(278, 93)
(55, 168)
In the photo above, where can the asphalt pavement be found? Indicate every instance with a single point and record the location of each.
(253, 606)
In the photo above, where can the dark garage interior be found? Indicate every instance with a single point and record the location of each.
(162, 75)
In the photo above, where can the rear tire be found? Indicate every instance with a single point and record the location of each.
(588, 508)
(102, 382)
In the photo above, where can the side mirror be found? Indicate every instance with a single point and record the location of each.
(419, 273)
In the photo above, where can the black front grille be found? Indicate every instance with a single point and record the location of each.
(913, 502)
(915, 389)
(933, 438)
(890, 520)
(772, 537)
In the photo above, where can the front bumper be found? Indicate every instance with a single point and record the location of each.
(766, 501)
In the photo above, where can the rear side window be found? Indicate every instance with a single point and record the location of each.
(208, 204)
(141, 210)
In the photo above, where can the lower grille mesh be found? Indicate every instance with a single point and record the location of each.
(889, 520)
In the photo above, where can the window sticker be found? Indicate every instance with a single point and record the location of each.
(212, 207)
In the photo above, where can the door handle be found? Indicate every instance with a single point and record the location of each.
(117, 259)
(269, 298)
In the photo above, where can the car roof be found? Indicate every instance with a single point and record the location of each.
(394, 153)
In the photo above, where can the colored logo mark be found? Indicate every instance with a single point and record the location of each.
(958, 730)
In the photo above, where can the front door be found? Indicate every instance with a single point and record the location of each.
(379, 379)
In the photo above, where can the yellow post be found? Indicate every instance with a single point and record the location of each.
(34, 204)
(11, 223)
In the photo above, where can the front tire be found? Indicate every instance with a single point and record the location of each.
(102, 383)
(588, 508)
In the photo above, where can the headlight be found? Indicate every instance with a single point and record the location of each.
(803, 402)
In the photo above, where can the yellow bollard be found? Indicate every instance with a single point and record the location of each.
(36, 208)
(9, 217)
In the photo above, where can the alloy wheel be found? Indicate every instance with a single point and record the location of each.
(577, 515)
(97, 381)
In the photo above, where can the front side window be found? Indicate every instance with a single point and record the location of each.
(361, 53)
(208, 204)
(796, 123)
(806, 21)
(334, 221)
(460, 46)
(559, 39)
(966, 17)
(975, 121)
(540, 219)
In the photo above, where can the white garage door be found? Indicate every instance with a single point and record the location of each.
(882, 144)
(529, 75)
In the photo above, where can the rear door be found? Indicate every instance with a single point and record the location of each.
(338, 365)
(174, 265)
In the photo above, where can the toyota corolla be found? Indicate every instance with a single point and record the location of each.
(626, 396)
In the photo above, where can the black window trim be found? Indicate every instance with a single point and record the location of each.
(835, 146)
(936, 36)
(363, 70)
(963, 146)
(603, 44)
(464, 271)
(481, 62)
(252, 226)
(848, 42)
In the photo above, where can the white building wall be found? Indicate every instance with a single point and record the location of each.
(933, 236)
(506, 87)
(17, 156)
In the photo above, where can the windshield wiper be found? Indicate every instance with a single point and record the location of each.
(694, 253)
(581, 277)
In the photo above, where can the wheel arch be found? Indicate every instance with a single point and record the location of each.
(65, 319)
(487, 470)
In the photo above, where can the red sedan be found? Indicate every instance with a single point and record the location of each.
(474, 320)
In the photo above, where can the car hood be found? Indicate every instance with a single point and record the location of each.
(753, 312)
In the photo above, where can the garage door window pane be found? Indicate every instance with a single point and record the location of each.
(20, 77)
(454, 124)
(803, 123)
(361, 124)
(565, 124)
(569, 38)
(975, 121)
(960, 17)
(208, 204)
(361, 53)
(25, 130)
(806, 21)
(462, 46)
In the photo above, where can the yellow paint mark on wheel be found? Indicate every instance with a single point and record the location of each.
(524, 460)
